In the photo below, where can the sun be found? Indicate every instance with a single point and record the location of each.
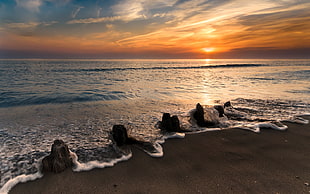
(208, 50)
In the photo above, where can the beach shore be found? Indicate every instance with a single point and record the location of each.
(230, 161)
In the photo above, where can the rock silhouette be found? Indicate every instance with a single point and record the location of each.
(120, 138)
(219, 109)
(59, 158)
(119, 135)
(199, 117)
(170, 124)
(227, 104)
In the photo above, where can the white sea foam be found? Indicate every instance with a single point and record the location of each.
(19, 179)
(96, 164)
(198, 130)
(256, 127)
(159, 151)
(158, 147)
(297, 119)
(278, 126)
(174, 136)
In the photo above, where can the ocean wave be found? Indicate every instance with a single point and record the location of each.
(158, 68)
(299, 91)
(16, 99)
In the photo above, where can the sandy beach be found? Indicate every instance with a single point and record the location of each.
(230, 161)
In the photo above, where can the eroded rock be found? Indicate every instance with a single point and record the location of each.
(119, 135)
(59, 158)
(170, 123)
(200, 118)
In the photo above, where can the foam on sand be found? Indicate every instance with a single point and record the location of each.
(155, 149)
(19, 179)
(96, 164)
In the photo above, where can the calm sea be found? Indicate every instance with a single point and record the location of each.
(79, 101)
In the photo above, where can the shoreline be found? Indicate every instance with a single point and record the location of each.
(227, 161)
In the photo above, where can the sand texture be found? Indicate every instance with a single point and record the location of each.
(230, 161)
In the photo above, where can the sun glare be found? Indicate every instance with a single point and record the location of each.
(208, 50)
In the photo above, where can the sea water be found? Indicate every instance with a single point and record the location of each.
(79, 101)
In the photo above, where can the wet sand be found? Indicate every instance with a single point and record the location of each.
(230, 161)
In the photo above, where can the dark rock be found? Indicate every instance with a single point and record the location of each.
(170, 124)
(199, 117)
(59, 158)
(166, 123)
(175, 123)
(119, 135)
(220, 109)
(227, 104)
(121, 138)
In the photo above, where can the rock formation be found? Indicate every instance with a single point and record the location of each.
(120, 138)
(119, 135)
(59, 158)
(170, 123)
(199, 117)
(220, 110)
(227, 104)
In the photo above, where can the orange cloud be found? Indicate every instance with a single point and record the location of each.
(185, 29)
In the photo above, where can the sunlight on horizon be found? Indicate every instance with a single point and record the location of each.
(161, 29)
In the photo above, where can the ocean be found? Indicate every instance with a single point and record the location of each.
(78, 101)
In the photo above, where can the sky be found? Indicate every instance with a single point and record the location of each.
(154, 29)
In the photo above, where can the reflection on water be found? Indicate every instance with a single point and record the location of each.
(58, 81)
(79, 101)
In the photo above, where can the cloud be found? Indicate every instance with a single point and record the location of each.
(137, 9)
(129, 9)
(99, 12)
(94, 20)
(29, 25)
(227, 25)
(59, 2)
(76, 11)
(22, 25)
(31, 5)
(183, 25)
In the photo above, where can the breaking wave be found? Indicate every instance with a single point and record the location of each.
(158, 68)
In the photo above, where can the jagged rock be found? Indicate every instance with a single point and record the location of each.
(59, 158)
(227, 104)
(220, 110)
(199, 117)
(121, 138)
(170, 124)
(119, 135)
(175, 123)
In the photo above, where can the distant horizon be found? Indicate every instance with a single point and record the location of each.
(90, 58)
(153, 58)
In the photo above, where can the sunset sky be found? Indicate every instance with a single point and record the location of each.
(155, 29)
